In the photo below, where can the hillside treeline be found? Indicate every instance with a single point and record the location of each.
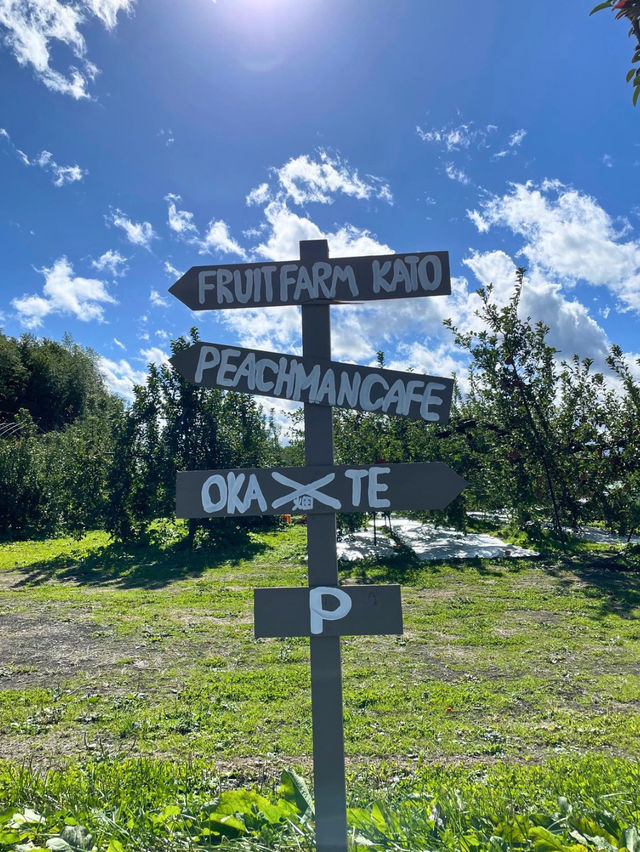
(552, 443)
(73, 457)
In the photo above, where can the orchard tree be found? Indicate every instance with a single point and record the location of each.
(176, 425)
(629, 9)
(549, 439)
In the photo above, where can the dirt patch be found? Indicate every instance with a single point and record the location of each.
(12, 580)
(48, 648)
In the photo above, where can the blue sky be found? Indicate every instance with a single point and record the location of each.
(141, 137)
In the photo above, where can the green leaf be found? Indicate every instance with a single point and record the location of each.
(293, 788)
(636, 94)
(115, 846)
(592, 829)
(379, 818)
(171, 810)
(545, 841)
(253, 805)
(514, 831)
(8, 836)
(229, 826)
(606, 5)
(564, 806)
(630, 74)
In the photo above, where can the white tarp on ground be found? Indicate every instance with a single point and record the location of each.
(594, 534)
(427, 542)
(603, 537)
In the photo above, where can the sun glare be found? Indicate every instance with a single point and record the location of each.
(264, 30)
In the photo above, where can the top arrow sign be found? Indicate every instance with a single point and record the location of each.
(347, 279)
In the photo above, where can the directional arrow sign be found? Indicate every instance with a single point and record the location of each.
(327, 611)
(212, 365)
(346, 279)
(316, 489)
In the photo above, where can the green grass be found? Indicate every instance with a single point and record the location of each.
(146, 655)
(149, 651)
(575, 805)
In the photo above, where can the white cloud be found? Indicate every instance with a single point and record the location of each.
(260, 195)
(180, 221)
(107, 10)
(285, 229)
(567, 237)
(168, 136)
(456, 138)
(279, 328)
(119, 344)
(496, 268)
(138, 233)
(456, 174)
(217, 238)
(515, 140)
(61, 174)
(171, 271)
(571, 327)
(437, 359)
(463, 137)
(157, 300)
(303, 180)
(64, 293)
(154, 355)
(607, 160)
(352, 340)
(513, 144)
(271, 329)
(30, 28)
(113, 261)
(120, 376)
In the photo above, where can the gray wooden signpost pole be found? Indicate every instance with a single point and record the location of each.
(326, 671)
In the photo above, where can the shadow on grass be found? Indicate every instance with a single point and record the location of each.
(613, 579)
(150, 566)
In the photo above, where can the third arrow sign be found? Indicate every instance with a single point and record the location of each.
(331, 488)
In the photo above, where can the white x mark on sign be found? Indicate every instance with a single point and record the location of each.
(311, 490)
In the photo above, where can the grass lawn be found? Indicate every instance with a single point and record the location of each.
(111, 653)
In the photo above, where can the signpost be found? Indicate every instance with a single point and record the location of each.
(325, 610)
(316, 380)
(309, 490)
(299, 282)
(354, 611)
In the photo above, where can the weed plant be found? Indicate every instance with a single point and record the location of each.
(592, 803)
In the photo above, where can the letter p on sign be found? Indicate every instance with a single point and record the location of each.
(319, 614)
